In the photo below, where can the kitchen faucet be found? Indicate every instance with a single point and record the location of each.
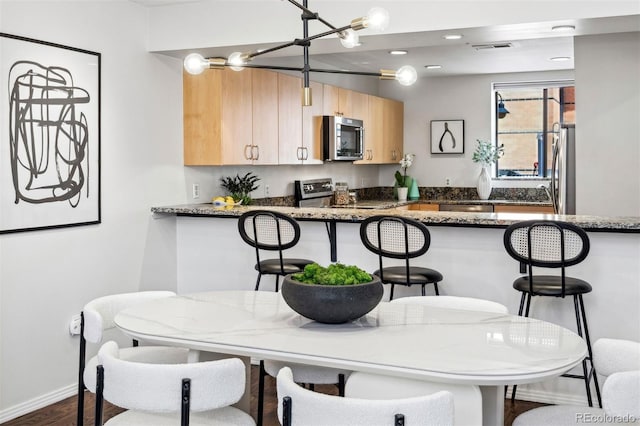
(546, 189)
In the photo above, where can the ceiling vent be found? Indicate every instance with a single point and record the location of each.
(489, 46)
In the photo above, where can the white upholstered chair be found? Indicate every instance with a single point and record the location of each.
(299, 406)
(308, 374)
(455, 302)
(97, 319)
(195, 394)
(619, 362)
(468, 398)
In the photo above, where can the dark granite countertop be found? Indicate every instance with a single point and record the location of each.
(350, 214)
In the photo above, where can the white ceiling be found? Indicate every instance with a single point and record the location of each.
(532, 46)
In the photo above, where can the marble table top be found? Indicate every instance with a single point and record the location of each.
(468, 219)
(444, 345)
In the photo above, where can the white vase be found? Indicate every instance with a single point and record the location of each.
(484, 184)
(402, 193)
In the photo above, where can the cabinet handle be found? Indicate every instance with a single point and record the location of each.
(257, 156)
(247, 157)
(298, 153)
(393, 154)
(306, 153)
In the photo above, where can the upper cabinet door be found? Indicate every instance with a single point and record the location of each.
(354, 104)
(265, 117)
(237, 115)
(290, 119)
(373, 132)
(202, 118)
(393, 130)
(344, 102)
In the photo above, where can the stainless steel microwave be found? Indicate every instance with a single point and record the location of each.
(342, 138)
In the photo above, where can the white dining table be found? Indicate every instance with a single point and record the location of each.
(406, 340)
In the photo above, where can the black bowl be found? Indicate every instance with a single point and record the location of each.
(332, 304)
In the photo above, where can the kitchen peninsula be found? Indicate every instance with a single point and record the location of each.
(203, 249)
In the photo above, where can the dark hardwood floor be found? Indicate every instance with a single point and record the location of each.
(63, 413)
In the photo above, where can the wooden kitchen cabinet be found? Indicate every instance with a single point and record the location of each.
(393, 130)
(299, 127)
(255, 116)
(522, 209)
(384, 131)
(346, 103)
(374, 133)
(210, 99)
(219, 108)
(265, 128)
(429, 207)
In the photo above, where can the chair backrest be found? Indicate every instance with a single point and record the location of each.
(395, 237)
(98, 315)
(546, 243)
(615, 355)
(299, 406)
(455, 302)
(621, 396)
(158, 387)
(268, 230)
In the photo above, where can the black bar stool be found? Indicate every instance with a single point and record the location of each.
(553, 244)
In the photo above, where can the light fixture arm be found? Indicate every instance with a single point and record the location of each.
(377, 19)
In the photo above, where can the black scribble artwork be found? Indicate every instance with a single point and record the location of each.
(49, 150)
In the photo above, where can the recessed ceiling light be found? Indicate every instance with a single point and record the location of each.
(452, 36)
(433, 67)
(563, 28)
(560, 58)
(398, 52)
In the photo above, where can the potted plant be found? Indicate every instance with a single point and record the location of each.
(239, 187)
(402, 180)
(486, 154)
(332, 295)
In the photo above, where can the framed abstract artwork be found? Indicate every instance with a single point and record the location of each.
(447, 136)
(49, 135)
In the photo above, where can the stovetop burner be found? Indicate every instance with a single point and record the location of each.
(313, 192)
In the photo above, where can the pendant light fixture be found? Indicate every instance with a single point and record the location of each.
(377, 20)
(501, 110)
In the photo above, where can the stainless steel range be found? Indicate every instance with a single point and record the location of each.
(314, 192)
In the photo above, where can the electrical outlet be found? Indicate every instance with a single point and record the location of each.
(447, 181)
(74, 325)
(196, 190)
(266, 190)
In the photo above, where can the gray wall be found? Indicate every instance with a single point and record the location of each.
(608, 124)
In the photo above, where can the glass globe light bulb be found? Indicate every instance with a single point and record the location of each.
(195, 63)
(349, 38)
(378, 19)
(407, 75)
(236, 61)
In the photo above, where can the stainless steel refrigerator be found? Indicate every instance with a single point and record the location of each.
(563, 170)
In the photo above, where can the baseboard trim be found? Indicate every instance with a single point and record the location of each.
(37, 403)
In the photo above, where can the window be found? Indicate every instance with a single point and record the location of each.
(535, 111)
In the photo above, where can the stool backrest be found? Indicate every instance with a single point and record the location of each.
(546, 244)
(395, 237)
(268, 230)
